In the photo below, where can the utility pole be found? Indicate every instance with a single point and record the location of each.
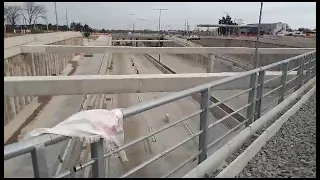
(185, 27)
(133, 23)
(67, 19)
(256, 60)
(160, 9)
(55, 11)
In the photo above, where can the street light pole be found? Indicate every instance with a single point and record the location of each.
(133, 23)
(142, 19)
(67, 19)
(256, 60)
(55, 11)
(160, 9)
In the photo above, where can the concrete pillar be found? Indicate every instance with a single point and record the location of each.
(19, 72)
(25, 71)
(16, 99)
(12, 112)
(210, 64)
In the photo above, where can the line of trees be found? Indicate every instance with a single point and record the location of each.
(227, 20)
(28, 14)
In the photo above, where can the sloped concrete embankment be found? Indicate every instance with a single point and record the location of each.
(219, 65)
(35, 64)
(264, 59)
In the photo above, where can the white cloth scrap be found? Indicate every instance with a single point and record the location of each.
(90, 126)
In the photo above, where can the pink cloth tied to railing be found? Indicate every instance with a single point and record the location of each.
(90, 126)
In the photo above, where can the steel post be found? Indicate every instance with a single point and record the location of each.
(252, 98)
(300, 70)
(39, 162)
(205, 102)
(284, 68)
(308, 68)
(259, 94)
(98, 167)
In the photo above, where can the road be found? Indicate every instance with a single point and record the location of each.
(61, 107)
(58, 109)
(141, 124)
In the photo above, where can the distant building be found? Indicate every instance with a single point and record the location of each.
(272, 28)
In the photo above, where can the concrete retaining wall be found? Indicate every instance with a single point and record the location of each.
(264, 59)
(219, 65)
(34, 65)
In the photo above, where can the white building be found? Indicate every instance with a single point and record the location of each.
(273, 28)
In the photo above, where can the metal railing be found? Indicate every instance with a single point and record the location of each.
(306, 69)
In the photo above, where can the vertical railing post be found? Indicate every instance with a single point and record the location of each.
(39, 162)
(205, 100)
(314, 67)
(98, 167)
(307, 68)
(284, 68)
(259, 94)
(300, 73)
(252, 98)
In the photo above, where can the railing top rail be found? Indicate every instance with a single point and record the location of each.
(28, 145)
(137, 108)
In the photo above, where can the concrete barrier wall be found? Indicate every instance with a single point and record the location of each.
(264, 59)
(36, 64)
(202, 59)
(20, 40)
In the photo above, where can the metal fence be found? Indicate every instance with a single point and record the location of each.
(305, 70)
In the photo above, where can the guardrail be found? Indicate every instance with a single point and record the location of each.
(306, 69)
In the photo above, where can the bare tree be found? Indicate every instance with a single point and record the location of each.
(5, 18)
(33, 12)
(12, 12)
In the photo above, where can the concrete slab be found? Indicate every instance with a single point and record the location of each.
(161, 50)
(74, 85)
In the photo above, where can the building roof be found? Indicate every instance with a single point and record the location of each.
(225, 25)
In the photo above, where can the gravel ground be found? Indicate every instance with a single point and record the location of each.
(292, 151)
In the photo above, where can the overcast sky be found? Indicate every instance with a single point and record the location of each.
(116, 15)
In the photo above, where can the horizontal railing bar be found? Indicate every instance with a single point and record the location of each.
(286, 60)
(308, 62)
(135, 109)
(227, 133)
(62, 175)
(160, 155)
(291, 80)
(154, 133)
(293, 69)
(227, 116)
(286, 93)
(143, 106)
(268, 105)
(268, 93)
(182, 164)
(271, 79)
(136, 141)
(28, 145)
(225, 100)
